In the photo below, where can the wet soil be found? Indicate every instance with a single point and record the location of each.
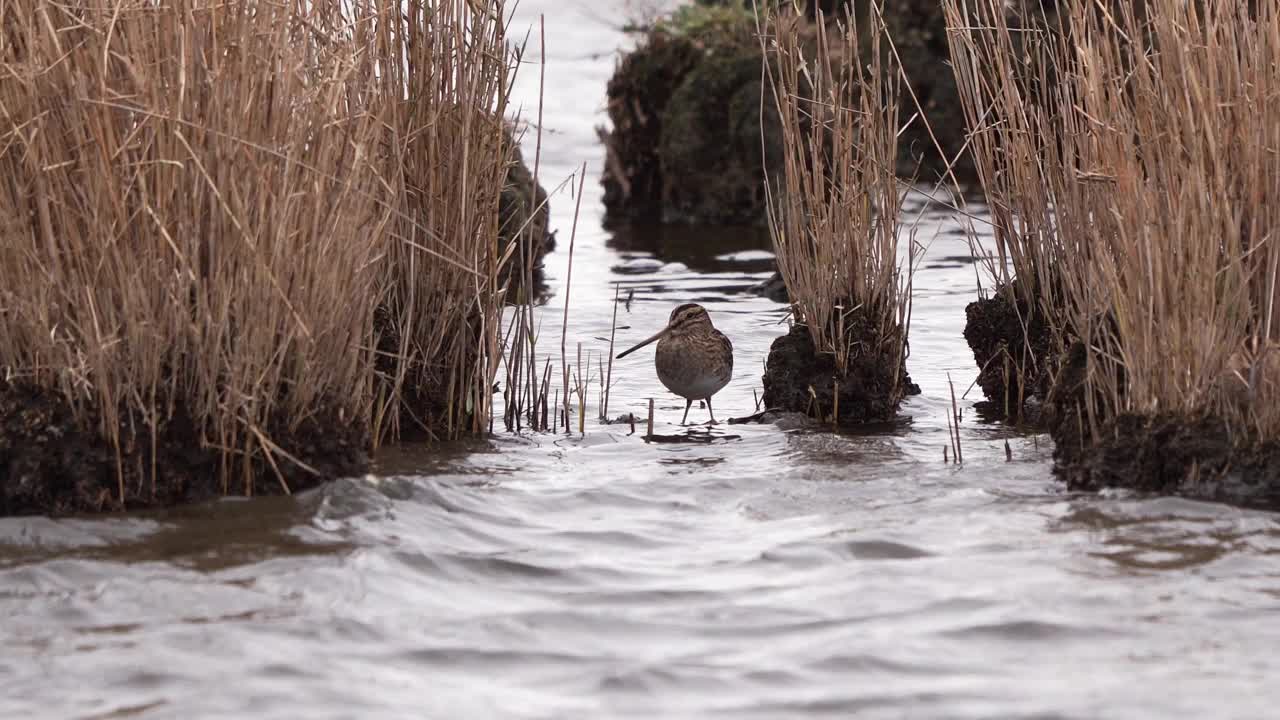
(1193, 456)
(53, 464)
(1168, 454)
(799, 379)
(1011, 345)
(774, 288)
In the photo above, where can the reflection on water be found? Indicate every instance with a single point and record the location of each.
(705, 250)
(776, 570)
(203, 537)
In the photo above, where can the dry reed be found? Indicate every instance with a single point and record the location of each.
(1130, 162)
(525, 398)
(444, 74)
(835, 216)
(607, 374)
(207, 204)
(1006, 71)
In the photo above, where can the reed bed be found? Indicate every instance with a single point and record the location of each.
(444, 73)
(835, 217)
(251, 235)
(1005, 68)
(834, 214)
(1129, 157)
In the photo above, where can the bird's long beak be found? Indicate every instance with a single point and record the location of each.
(656, 336)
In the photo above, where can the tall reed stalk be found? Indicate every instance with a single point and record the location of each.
(1006, 70)
(835, 216)
(444, 75)
(1129, 156)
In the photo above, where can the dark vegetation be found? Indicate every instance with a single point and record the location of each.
(686, 114)
(686, 143)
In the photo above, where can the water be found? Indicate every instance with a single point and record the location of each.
(754, 571)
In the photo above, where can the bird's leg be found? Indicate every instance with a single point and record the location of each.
(687, 402)
(712, 413)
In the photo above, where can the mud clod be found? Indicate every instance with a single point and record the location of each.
(713, 166)
(774, 288)
(52, 464)
(523, 205)
(638, 93)
(523, 209)
(1011, 346)
(869, 391)
(1194, 457)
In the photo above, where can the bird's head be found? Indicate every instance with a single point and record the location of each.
(685, 319)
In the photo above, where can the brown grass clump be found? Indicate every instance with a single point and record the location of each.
(206, 205)
(1130, 163)
(835, 217)
(444, 79)
(1005, 65)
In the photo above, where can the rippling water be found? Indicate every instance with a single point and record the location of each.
(752, 571)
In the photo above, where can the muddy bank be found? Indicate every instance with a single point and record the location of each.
(1194, 457)
(1198, 456)
(686, 114)
(1012, 348)
(52, 464)
(799, 379)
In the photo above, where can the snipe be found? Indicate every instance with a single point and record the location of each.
(694, 359)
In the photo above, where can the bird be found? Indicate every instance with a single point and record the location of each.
(694, 360)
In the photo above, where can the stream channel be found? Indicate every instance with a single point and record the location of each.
(749, 571)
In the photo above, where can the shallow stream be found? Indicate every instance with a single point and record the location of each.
(750, 571)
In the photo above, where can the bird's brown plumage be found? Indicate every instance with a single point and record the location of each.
(694, 360)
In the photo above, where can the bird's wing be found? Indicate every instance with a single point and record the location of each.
(728, 347)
